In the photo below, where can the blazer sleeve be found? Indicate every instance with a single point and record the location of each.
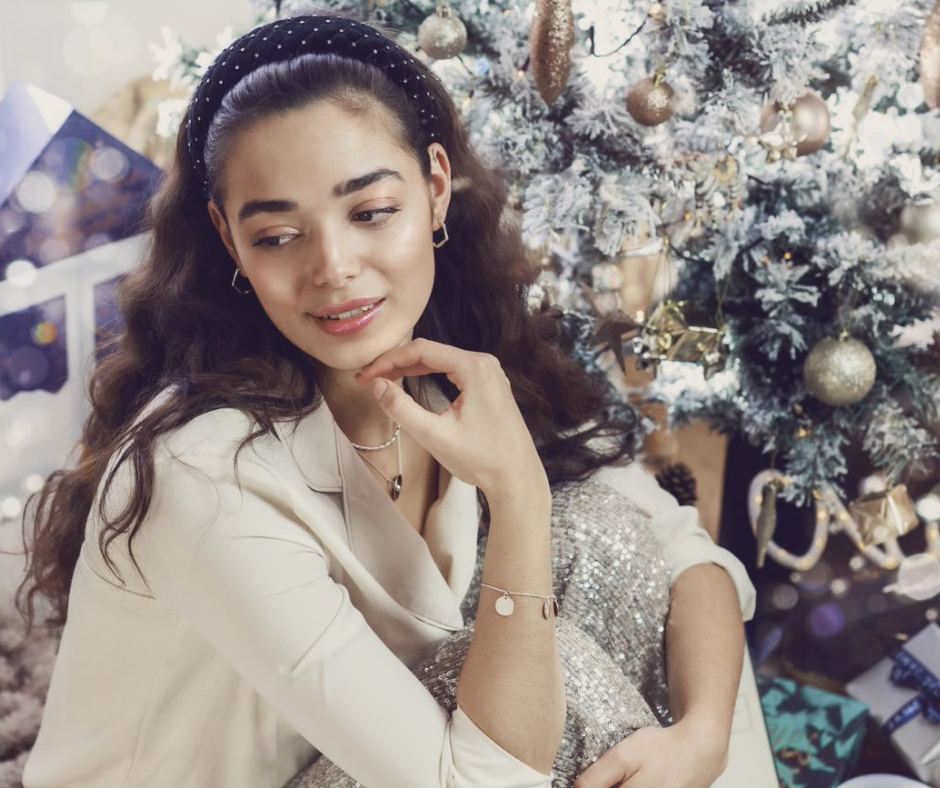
(677, 528)
(239, 567)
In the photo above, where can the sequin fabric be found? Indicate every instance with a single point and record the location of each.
(612, 584)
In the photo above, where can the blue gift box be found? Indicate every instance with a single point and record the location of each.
(903, 693)
(816, 735)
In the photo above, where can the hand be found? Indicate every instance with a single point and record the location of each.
(677, 757)
(481, 438)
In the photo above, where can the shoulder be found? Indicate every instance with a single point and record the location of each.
(635, 482)
(216, 433)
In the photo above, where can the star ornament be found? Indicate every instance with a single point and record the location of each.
(780, 142)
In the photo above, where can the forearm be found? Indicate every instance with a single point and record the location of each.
(512, 684)
(704, 651)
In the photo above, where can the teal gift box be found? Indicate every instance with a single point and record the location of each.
(816, 735)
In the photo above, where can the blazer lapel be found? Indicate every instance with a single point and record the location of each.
(377, 534)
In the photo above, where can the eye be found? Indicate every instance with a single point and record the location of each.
(272, 241)
(372, 211)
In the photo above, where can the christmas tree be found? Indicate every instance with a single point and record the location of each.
(744, 195)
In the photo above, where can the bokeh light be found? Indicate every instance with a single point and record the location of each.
(826, 620)
(36, 192)
(11, 506)
(27, 367)
(108, 164)
(19, 431)
(21, 273)
(45, 333)
(784, 597)
(33, 483)
(928, 507)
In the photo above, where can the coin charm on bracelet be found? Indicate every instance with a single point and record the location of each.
(505, 605)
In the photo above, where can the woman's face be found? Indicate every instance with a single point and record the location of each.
(324, 208)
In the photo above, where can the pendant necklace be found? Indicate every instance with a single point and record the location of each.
(395, 484)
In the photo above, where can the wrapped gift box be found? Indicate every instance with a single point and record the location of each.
(816, 736)
(66, 185)
(903, 694)
(72, 202)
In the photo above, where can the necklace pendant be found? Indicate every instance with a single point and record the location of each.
(396, 487)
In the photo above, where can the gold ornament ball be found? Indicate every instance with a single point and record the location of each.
(810, 117)
(839, 371)
(442, 35)
(920, 222)
(649, 103)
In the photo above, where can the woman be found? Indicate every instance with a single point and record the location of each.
(326, 245)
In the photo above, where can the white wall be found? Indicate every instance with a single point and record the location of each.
(85, 51)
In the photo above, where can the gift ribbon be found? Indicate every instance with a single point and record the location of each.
(909, 672)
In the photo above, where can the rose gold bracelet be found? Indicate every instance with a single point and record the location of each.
(505, 605)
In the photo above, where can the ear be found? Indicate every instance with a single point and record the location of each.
(224, 232)
(440, 183)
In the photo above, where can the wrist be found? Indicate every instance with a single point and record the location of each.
(708, 737)
(524, 486)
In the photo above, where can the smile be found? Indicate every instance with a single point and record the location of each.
(351, 322)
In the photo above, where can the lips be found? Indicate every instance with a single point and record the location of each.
(346, 306)
(349, 325)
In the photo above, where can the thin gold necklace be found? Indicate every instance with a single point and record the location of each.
(394, 484)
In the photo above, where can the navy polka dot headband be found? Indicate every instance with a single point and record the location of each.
(288, 38)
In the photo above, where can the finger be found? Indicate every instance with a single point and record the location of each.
(368, 374)
(608, 771)
(402, 409)
(436, 356)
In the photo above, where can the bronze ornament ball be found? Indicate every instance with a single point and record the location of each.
(810, 118)
(920, 221)
(839, 371)
(650, 104)
(442, 35)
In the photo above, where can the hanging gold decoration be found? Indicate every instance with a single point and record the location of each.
(884, 515)
(442, 35)
(550, 45)
(766, 519)
(930, 59)
(680, 331)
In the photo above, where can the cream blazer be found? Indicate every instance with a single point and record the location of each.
(279, 621)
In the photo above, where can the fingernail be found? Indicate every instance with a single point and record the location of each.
(379, 388)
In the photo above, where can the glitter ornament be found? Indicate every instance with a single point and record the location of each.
(920, 221)
(550, 43)
(649, 101)
(808, 121)
(839, 371)
(442, 35)
(885, 515)
(930, 59)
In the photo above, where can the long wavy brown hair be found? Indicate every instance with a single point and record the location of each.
(184, 326)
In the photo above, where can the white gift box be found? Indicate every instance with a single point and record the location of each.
(918, 739)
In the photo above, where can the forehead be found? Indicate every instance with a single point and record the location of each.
(310, 148)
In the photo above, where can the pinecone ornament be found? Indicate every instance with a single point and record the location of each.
(677, 478)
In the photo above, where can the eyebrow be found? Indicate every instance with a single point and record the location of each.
(343, 189)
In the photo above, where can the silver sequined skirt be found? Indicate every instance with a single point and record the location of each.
(612, 585)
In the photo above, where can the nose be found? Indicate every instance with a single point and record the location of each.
(332, 262)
